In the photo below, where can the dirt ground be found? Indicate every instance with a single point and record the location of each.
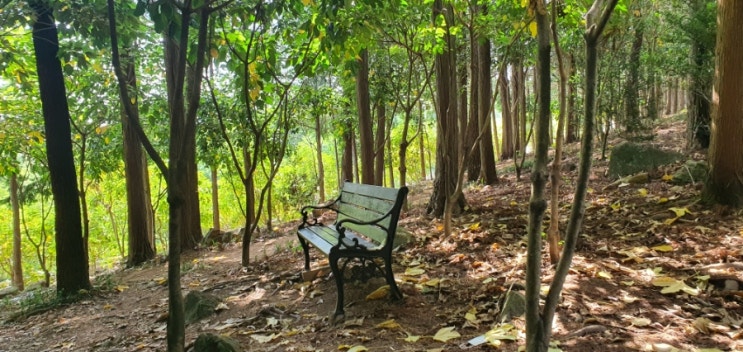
(654, 271)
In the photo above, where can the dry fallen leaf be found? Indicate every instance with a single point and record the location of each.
(388, 324)
(446, 334)
(663, 248)
(379, 293)
(414, 271)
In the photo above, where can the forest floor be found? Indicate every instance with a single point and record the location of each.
(654, 271)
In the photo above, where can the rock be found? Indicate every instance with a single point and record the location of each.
(629, 158)
(514, 305)
(199, 305)
(402, 237)
(215, 343)
(691, 172)
(216, 237)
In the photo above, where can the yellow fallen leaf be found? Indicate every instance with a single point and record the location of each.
(640, 322)
(121, 288)
(616, 205)
(264, 338)
(414, 271)
(663, 248)
(446, 334)
(643, 192)
(379, 293)
(412, 338)
(498, 333)
(664, 281)
(432, 282)
(388, 324)
(471, 315)
(474, 227)
(679, 211)
(357, 348)
(667, 177)
(662, 200)
(604, 275)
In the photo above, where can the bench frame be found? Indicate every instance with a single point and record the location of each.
(365, 228)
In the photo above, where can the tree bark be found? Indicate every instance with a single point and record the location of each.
(320, 165)
(489, 174)
(17, 253)
(365, 119)
(380, 139)
(473, 126)
(632, 121)
(537, 338)
(725, 182)
(446, 130)
(72, 270)
(347, 164)
(700, 87)
(507, 142)
(215, 198)
(571, 136)
(138, 202)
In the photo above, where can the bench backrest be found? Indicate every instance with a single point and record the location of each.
(368, 203)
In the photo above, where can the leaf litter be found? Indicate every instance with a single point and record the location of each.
(654, 271)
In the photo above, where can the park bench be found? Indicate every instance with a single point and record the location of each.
(364, 229)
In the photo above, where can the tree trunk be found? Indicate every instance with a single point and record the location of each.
(17, 253)
(446, 130)
(473, 126)
(216, 226)
(347, 164)
(725, 182)
(72, 269)
(138, 201)
(537, 338)
(320, 165)
(700, 88)
(633, 123)
(571, 135)
(249, 185)
(421, 143)
(507, 142)
(489, 173)
(379, 144)
(365, 119)
(553, 232)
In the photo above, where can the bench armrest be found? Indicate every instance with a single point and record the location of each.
(306, 220)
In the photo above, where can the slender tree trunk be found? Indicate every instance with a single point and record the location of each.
(421, 143)
(700, 88)
(365, 119)
(17, 253)
(249, 185)
(633, 121)
(489, 173)
(725, 182)
(347, 164)
(72, 269)
(447, 130)
(473, 126)
(139, 204)
(507, 142)
(553, 233)
(380, 139)
(320, 165)
(216, 226)
(537, 338)
(572, 131)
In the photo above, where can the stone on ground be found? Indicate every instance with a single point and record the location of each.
(215, 343)
(629, 158)
(199, 305)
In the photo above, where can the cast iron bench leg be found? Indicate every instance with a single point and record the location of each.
(339, 314)
(394, 290)
(306, 249)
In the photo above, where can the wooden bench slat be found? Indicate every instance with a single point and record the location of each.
(371, 191)
(375, 205)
